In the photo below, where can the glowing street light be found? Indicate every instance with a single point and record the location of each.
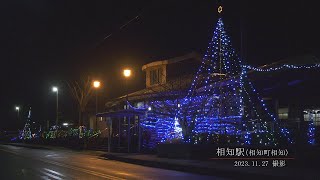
(127, 73)
(96, 85)
(55, 89)
(18, 109)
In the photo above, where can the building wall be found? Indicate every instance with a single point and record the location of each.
(183, 68)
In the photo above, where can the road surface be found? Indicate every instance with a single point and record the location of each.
(58, 163)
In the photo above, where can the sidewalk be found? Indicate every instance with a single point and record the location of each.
(223, 168)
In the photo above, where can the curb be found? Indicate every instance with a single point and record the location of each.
(31, 146)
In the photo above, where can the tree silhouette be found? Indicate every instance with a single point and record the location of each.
(81, 90)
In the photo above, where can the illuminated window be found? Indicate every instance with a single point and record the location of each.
(283, 113)
(311, 114)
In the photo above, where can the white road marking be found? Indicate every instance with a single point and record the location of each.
(54, 172)
(82, 170)
(51, 175)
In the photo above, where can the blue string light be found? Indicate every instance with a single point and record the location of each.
(221, 101)
(282, 67)
(311, 131)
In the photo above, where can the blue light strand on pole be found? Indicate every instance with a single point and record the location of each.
(311, 133)
(311, 130)
(282, 67)
(284, 132)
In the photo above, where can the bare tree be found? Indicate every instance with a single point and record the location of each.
(81, 91)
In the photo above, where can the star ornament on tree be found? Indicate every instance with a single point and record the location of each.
(219, 9)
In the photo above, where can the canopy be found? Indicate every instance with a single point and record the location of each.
(123, 113)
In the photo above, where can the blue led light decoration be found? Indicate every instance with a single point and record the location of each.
(167, 126)
(26, 132)
(213, 99)
(282, 67)
(311, 130)
(221, 106)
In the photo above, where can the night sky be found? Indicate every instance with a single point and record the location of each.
(44, 43)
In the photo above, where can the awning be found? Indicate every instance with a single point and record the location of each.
(123, 113)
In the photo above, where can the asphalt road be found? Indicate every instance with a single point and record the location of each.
(33, 163)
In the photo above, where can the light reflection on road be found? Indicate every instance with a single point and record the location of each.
(26, 163)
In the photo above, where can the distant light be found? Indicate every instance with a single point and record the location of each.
(65, 124)
(54, 89)
(179, 105)
(127, 72)
(17, 108)
(149, 108)
(96, 84)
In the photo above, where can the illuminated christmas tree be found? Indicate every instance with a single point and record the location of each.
(222, 100)
(221, 106)
(26, 132)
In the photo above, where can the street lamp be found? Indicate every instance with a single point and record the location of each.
(127, 74)
(18, 109)
(96, 85)
(55, 89)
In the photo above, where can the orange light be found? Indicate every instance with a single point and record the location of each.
(127, 72)
(96, 84)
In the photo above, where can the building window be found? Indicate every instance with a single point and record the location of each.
(283, 113)
(155, 76)
(312, 115)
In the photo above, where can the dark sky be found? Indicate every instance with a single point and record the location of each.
(44, 42)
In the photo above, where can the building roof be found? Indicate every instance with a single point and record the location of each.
(296, 60)
(172, 60)
(147, 93)
(159, 90)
